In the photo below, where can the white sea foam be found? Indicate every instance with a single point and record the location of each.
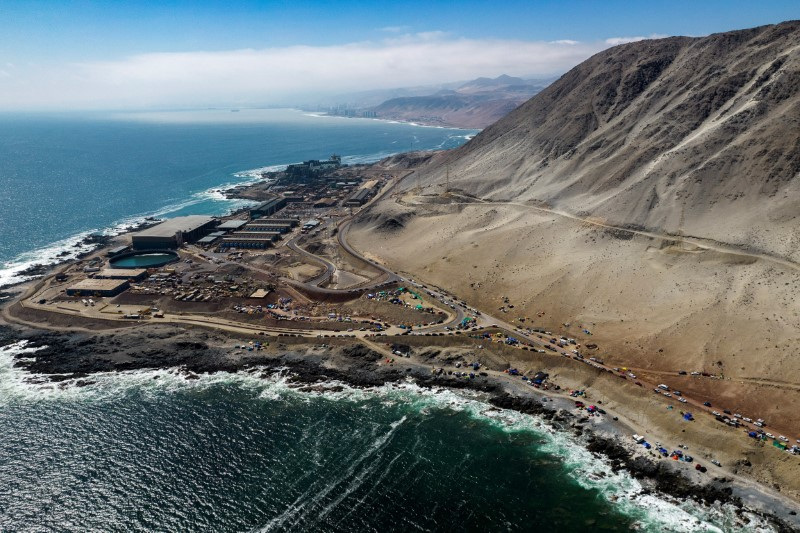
(69, 248)
(652, 512)
(12, 272)
(256, 172)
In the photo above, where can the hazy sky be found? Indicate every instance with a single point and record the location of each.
(109, 55)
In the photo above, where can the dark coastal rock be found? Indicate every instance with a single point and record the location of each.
(432, 354)
(522, 405)
(359, 351)
(8, 336)
(667, 480)
(34, 270)
(189, 345)
(70, 359)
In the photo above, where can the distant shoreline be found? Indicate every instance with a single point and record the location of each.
(415, 122)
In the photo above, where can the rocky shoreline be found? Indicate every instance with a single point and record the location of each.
(94, 242)
(72, 359)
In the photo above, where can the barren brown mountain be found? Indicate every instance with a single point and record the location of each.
(475, 104)
(651, 196)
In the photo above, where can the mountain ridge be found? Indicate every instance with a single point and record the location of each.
(651, 196)
(472, 104)
(641, 133)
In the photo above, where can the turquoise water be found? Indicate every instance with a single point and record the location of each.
(63, 176)
(143, 260)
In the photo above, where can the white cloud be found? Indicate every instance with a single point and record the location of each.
(614, 41)
(395, 29)
(283, 75)
(565, 41)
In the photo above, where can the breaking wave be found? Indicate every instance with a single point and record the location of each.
(14, 271)
(650, 512)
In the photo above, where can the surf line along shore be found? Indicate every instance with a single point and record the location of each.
(189, 351)
(72, 359)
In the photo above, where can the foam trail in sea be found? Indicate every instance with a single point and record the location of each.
(652, 512)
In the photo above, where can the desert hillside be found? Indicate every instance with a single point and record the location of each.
(695, 136)
(650, 196)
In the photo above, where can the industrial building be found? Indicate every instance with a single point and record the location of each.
(359, 198)
(231, 225)
(291, 221)
(274, 235)
(268, 208)
(98, 287)
(117, 251)
(313, 167)
(267, 225)
(325, 202)
(371, 185)
(135, 274)
(211, 237)
(172, 233)
(248, 241)
(310, 224)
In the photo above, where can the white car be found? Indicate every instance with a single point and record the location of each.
(715, 413)
(682, 400)
(770, 435)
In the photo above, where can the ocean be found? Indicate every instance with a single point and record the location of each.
(154, 451)
(63, 177)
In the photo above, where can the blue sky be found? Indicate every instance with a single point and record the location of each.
(117, 53)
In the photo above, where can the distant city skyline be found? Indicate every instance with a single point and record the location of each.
(113, 55)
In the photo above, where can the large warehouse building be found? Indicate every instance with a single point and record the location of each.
(265, 225)
(135, 274)
(258, 241)
(98, 287)
(172, 233)
(268, 208)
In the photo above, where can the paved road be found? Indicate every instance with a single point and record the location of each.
(343, 227)
(330, 268)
